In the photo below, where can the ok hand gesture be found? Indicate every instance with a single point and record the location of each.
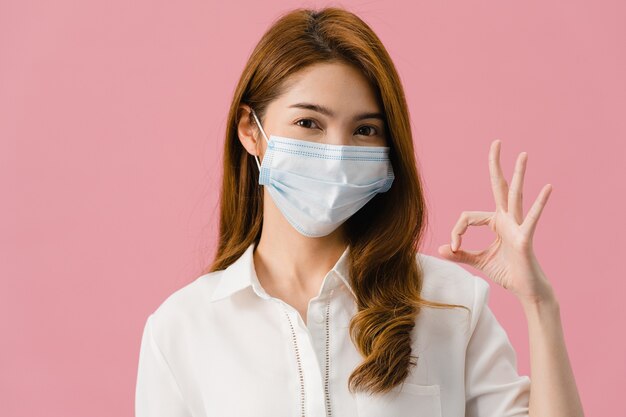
(509, 260)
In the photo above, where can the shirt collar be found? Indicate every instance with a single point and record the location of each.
(241, 274)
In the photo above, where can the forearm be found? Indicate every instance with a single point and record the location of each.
(553, 390)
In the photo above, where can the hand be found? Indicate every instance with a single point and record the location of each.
(509, 260)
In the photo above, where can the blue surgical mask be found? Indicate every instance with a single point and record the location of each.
(319, 186)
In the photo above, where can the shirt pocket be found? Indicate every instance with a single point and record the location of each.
(405, 400)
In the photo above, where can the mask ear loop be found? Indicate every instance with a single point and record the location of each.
(258, 122)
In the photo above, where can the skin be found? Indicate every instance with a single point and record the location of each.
(291, 266)
(511, 262)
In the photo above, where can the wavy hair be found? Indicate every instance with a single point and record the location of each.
(385, 234)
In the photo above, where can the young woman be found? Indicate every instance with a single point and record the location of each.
(318, 302)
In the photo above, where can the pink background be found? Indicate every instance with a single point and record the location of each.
(112, 120)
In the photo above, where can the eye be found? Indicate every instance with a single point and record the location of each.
(305, 120)
(372, 128)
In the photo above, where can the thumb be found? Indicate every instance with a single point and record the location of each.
(459, 255)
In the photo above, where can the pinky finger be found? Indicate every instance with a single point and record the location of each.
(530, 222)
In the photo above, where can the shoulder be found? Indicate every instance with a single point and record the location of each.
(183, 307)
(449, 282)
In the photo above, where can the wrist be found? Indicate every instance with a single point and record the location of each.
(547, 301)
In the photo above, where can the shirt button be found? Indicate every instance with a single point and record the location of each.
(319, 318)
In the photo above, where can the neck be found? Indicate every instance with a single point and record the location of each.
(289, 262)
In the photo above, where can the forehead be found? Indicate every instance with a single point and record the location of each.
(339, 86)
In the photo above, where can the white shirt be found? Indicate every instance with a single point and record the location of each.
(221, 346)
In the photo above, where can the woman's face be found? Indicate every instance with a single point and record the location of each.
(325, 103)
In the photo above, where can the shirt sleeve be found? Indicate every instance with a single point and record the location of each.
(493, 386)
(157, 393)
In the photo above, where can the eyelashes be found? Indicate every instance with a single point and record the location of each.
(304, 120)
(370, 127)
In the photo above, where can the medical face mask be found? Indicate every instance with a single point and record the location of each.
(319, 186)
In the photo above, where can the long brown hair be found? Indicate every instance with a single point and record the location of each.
(385, 234)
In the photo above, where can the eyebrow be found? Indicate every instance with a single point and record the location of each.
(326, 111)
